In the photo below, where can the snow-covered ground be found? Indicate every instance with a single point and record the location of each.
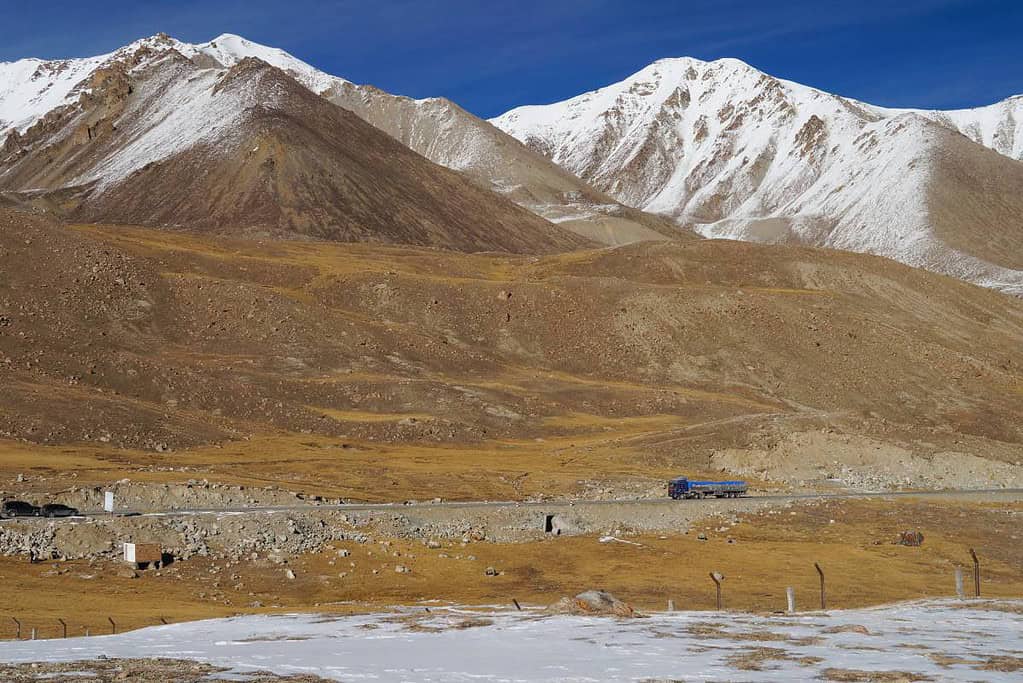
(940, 640)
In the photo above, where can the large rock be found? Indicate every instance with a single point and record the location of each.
(593, 602)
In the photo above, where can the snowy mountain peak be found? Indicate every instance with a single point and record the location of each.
(736, 153)
(31, 88)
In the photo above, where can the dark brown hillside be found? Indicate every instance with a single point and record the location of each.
(274, 159)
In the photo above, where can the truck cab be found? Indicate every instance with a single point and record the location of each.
(678, 488)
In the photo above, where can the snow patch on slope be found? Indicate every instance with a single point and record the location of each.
(923, 639)
(998, 126)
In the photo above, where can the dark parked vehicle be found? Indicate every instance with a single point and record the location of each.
(58, 510)
(18, 508)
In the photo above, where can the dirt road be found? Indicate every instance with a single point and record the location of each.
(973, 495)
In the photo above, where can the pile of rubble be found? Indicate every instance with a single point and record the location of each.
(230, 537)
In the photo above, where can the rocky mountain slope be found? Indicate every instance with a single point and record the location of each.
(436, 128)
(624, 361)
(998, 126)
(737, 153)
(156, 139)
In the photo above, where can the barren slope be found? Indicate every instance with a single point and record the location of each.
(448, 135)
(158, 140)
(627, 362)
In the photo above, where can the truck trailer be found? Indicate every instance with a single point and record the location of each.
(682, 487)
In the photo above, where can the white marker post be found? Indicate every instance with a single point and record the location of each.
(108, 502)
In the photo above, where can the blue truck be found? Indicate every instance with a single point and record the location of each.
(684, 488)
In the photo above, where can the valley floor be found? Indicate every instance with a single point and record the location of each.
(760, 553)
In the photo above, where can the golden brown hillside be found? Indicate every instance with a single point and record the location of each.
(616, 365)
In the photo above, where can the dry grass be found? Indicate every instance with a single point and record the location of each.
(757, 570)
(1002, 663)
(156, 670)
(754, 659)
(855, 676)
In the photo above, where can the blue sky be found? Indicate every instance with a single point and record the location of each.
(490, 56)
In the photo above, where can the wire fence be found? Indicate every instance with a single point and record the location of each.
(21, 628)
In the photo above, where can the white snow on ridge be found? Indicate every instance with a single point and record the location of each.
(175, 110)
(463, 645)
(998, 126)
(229, 49)
(31, 88)
(739, 154)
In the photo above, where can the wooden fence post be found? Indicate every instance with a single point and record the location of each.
(717, 578)
(63, 626)
(18, 624)
(824, 603)
(976, 574)
(113, 626)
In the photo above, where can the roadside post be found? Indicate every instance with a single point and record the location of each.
(717, 578)
(790, 595)
(976, 573)
(820, 572)
(960, 593)
(108, 502)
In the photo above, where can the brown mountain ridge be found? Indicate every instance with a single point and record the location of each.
(160, 141)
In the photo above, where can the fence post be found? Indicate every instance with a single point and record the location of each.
(113, 626)
(717, 578)
(163, 621)
(63, 626)
(976, 574)
(824, 603)
(960, 593)
(671, 605)
(790, 595)
(518, 607)
(33, 633)
(18, 624)
(86, 631)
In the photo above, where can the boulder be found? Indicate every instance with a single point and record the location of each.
(593, 602)
(911, 538)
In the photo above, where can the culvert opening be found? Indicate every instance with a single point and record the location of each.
(548, 524)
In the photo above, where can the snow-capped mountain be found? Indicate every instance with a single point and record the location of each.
(161, 134)
(31, 88)
(435, 127)
(739, 154)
